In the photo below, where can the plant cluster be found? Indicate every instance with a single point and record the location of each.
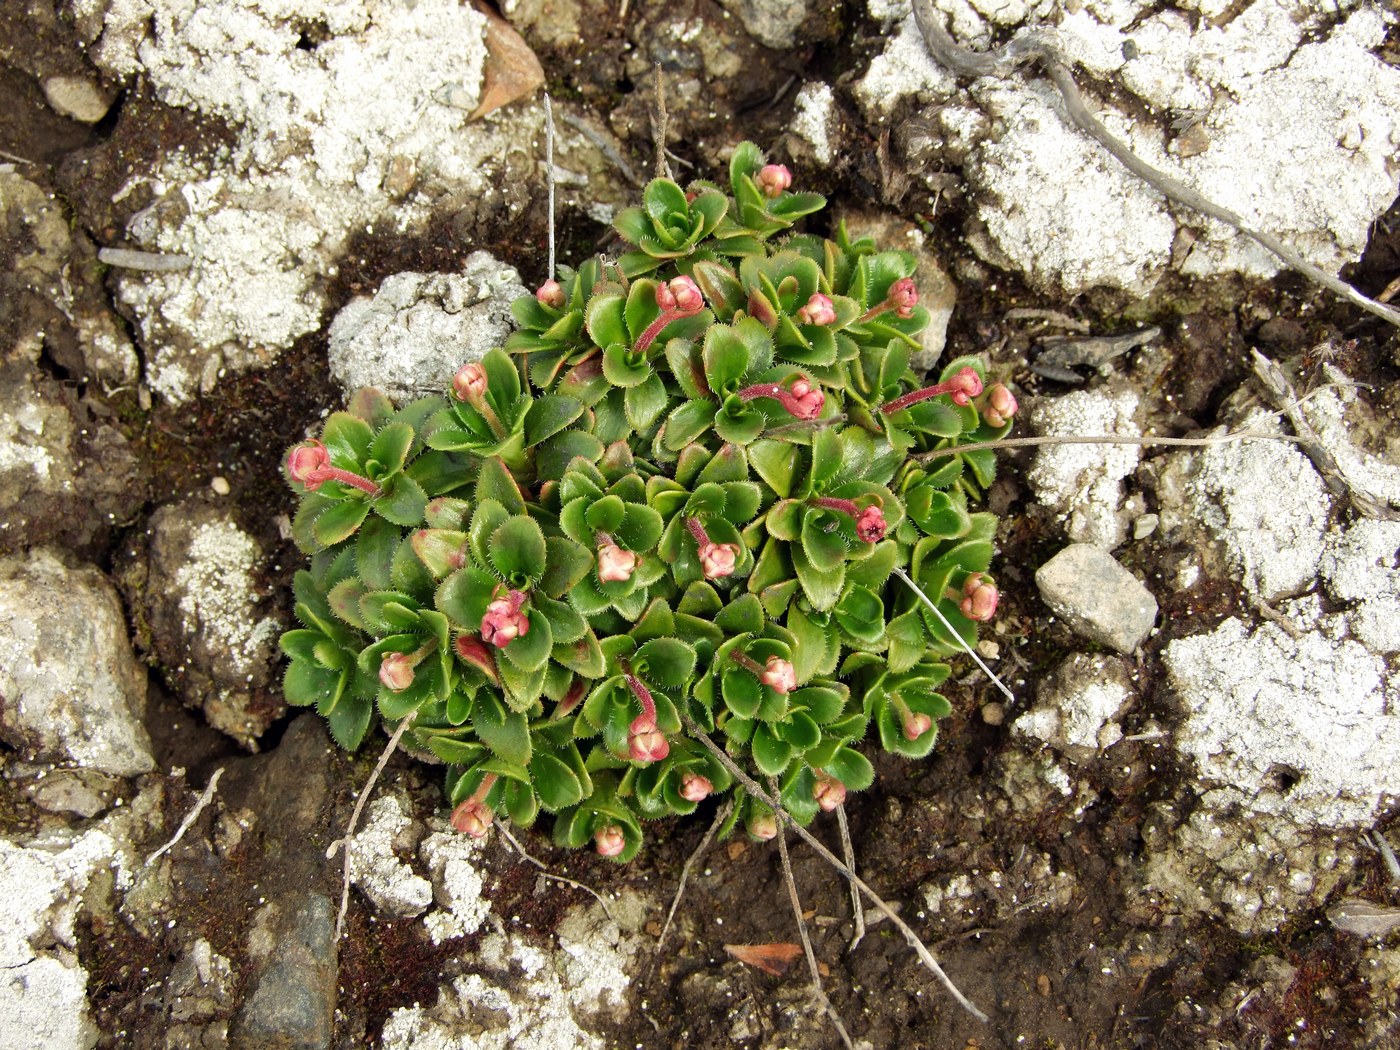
(683, 485)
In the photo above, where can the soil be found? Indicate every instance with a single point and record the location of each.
(1102, 972)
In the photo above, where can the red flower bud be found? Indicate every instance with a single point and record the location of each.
(306, 461)
(469, 384)
(773, 179)
(685, 295)
(551, 294)
(980, 597)
(695, 788)
(763, 827)
(916, 724)
(646, 743)
(778, 675)
(870, 526)
(396, 671)
(903, 296)
(819, 310)
(615, 565)
(609, 840)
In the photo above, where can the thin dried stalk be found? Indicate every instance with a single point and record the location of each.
(690, 863)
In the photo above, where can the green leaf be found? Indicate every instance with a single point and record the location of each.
(402, 501)
(339, 521)
(775, 462)
(746, 161)
(823, 541)
(687, 422)
(584, 656)
(663, 198)
(566, 563)
(743, 615)
(305, 683)
(348, 439)
(645, 402)
(605, 321)
(771, 753)
(556, 784)
(390, 448)
(822, 588)
(726, 359)
(504, 732)
(742, 693)
(464, 596)
(548, 415)
(374, 552)
(349, 720)
(851, 768)
(495, 482)
(668, 662)
(518, 550)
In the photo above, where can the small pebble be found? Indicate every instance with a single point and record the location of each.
(220, 485)
(1145, 526)
(1042, 984)
(994, 714)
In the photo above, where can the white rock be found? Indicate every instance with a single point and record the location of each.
(77, 97)
(388, 882)
(412, 335)
(1362, 565)
(1077, 708)
(1099, 599)
(1266, 709)
(1269, 506)
(72, 688)
(524, 997)
(1271, 79)
(450, 858)
(44, 1003)
(1084, 483)
(814, 119)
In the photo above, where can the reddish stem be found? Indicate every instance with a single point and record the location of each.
(963, 386)
(698, 531)
(845, 506)
(647, 719)
(654, 329)
(747, 662)
(781, 394)
(487, 783)
(318, 477)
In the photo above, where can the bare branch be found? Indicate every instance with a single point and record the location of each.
(848, 854)
(204, 799)
(690, 863)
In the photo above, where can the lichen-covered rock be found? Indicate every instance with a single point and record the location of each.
(1234, 92)
(1084, 483)
(196, 593)
(1078, 706)
(412, 335)
(70, 688)
(390, 884)
(1300, 727)
(524, 997)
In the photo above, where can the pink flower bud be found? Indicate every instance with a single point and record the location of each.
(916, 724)
(504, 622)
(609, 840)
(615, 565)
(686, 296)
(904, 296)
(818, 310)
(473, 817)
(646, 743)
(396, 671)
(980, 597)
(778, 675)
(717, 560)
(695, 788)
(829, 792)
(469, 384)
(305, 461)
(964, 386)
(551, 294)
(773, 179)
(763, 827)
(1001, 406)
(870, 526)
(808, 400)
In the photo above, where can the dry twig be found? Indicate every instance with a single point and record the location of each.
(755, 789)
(690, 863)
(848, 854)
(204, 799)
(817, 988)
(546, 873)
(360, 800)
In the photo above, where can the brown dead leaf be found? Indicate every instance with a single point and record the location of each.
(512, 70)
(770, 958)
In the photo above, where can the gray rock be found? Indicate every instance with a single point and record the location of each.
(292, 1003)
(412, 335)
(1097, 597)
(390, 884)
(773, 23)
(77, 97)
(72, 690)
(194, 587)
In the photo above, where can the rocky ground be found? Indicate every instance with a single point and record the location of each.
(1169, 838)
